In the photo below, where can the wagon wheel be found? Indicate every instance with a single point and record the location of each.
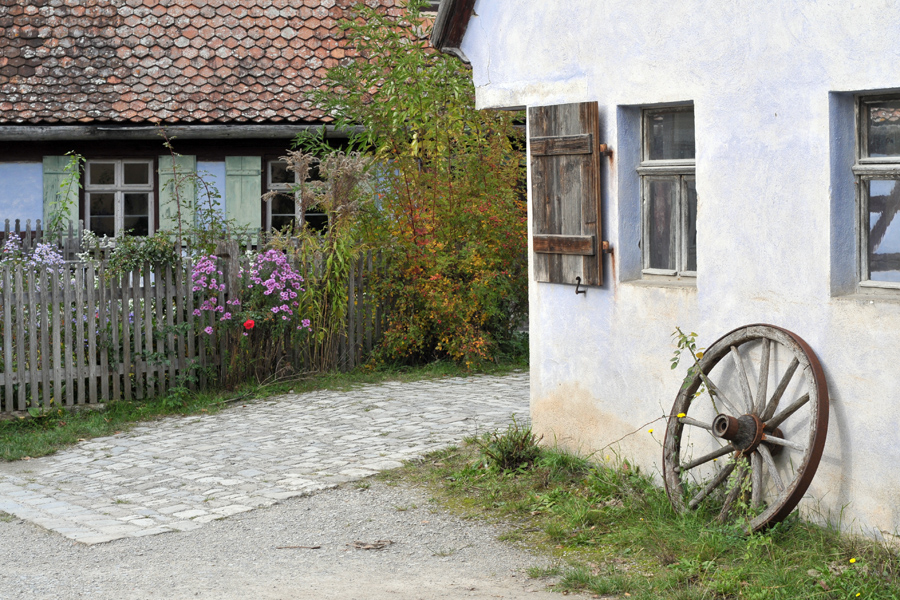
(758, 439)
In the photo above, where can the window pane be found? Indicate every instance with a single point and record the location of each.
(690, 226)
(102, 173)
(883, 122)
(280, 173)
(884, 230)
(283, 204)
(136, 173)
(281, 221)
(136, 204)
(103, 204)
(670, 134)
(316, 219)
(137, 225)
(103, 226)
(661, 225)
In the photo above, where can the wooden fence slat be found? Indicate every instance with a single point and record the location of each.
(68, 342)
(160, 307)
(45, 308)
(150, 365)
(178, 341)
(80, 374)
(8, 360)
(20, 336)
(57, 314)
(213, 322)
(33, 342)
(103, 324)
(171, 306)
(368, 301)
(140, 364)
(351, 319)
(91, 276)
(127, 366)
(191, 332)
(116, 311)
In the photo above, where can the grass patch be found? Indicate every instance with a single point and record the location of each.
(35, 436)
(615, 534)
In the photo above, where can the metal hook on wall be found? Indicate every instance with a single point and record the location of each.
(578, 286)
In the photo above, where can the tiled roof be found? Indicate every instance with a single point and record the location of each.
(178, 61)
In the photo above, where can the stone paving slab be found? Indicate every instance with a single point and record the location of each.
(178, 473)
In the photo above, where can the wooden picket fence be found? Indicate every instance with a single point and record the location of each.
(76, 336)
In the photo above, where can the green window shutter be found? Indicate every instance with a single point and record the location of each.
(56, 192)
(171, 173)
(243, 182)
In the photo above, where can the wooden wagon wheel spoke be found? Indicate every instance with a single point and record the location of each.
(746, 394)
(718, 394)
(716, 481)
(771, 439)
(763, 381)
(695, 423)
(779, 391)
(756, 481)
(777, 420)
(700, 423)
(706, 458)
(770, 466)
(734, 492)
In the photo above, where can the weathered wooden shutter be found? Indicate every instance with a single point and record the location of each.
(54, 168)
(565, 192)
(243, 185)
(184, 166)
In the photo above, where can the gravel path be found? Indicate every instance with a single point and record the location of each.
(432, 555)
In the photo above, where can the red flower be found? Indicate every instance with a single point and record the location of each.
(249, 324)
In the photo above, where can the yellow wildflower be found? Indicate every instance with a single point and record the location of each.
(680, 415)
(852, 560)
(649, 431)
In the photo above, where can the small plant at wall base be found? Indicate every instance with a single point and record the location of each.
(451, 221)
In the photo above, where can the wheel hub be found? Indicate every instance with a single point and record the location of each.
(744, 432)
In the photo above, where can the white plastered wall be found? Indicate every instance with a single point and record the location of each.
(772, 87)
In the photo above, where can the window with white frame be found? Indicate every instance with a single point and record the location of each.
(283, 208)
(119, 197)
(877, 170)
(668, 192)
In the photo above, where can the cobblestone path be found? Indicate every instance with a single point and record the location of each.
(179, 473)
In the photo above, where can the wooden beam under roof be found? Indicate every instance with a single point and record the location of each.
(450, 26)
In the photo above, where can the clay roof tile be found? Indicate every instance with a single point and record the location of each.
(174, 60)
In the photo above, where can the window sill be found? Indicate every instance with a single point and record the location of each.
(662, 281)
(868, 293)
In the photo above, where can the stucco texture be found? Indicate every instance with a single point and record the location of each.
(772, 89)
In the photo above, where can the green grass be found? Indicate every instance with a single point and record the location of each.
(31, 437)
(614, 534)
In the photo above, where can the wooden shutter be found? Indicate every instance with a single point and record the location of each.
(243, 189)
(168, 207)
(565, 192)
(54, 168)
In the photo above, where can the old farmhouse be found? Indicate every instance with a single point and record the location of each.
(741, 163)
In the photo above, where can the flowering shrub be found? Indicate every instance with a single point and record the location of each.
(264, 309)
(44, 258)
